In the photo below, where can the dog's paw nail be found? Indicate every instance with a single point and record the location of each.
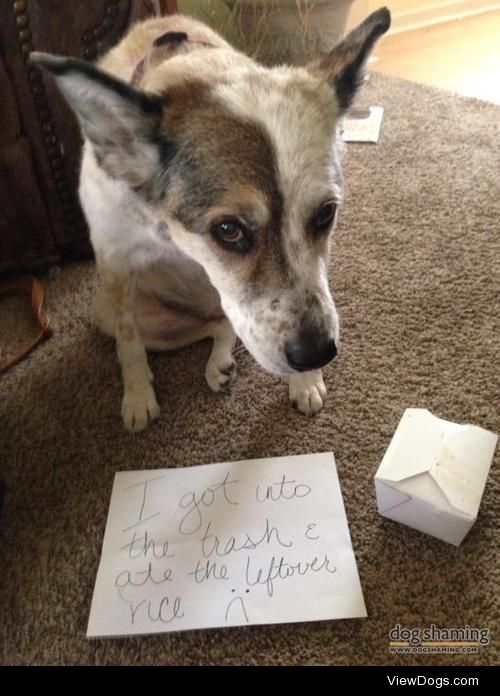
(139, 408)
(219, 378)
(221, 384)
(230, 370)
(307, 393)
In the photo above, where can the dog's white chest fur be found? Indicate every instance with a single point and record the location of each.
(173, 292)
(121, 227)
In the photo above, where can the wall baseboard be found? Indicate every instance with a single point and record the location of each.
(440, 12)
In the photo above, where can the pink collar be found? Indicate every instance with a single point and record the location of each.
(138, 72)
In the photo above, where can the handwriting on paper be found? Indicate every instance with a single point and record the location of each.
(260, 541)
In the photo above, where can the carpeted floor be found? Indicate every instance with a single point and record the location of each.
(416, 274)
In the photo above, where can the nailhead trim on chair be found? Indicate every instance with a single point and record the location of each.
(92, 37)
(71, 212)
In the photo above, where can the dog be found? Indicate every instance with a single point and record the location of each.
(211, 184)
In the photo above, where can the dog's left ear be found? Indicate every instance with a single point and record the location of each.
(344, 66)
(121, 122)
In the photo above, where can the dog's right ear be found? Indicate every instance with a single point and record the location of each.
(121, 122)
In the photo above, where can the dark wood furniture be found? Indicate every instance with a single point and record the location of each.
(41, 222)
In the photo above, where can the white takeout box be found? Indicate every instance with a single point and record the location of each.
(433, 475)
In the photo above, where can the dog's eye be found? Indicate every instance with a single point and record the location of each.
(232, 235)
(324, 217)
(229, 231)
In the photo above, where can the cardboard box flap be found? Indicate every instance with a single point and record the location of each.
(462, 464)
(388, 497)
(414, 446)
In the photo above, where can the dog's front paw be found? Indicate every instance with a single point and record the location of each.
(219, 375)
(307, 391)
(139, 407)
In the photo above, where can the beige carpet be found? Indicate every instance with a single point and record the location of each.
(416, 275)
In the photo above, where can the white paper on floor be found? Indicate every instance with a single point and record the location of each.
(363, 126)
(252, 542)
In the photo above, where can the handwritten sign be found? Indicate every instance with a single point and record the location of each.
(250, 542)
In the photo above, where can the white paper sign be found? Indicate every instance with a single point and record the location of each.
(363, 126)
(251, 542)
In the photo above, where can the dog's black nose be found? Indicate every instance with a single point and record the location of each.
(310, 352)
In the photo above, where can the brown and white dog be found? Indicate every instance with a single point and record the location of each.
(210, 184)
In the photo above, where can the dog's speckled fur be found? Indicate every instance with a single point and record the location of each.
(205, 134)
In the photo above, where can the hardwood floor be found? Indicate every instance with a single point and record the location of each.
(462, 55)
